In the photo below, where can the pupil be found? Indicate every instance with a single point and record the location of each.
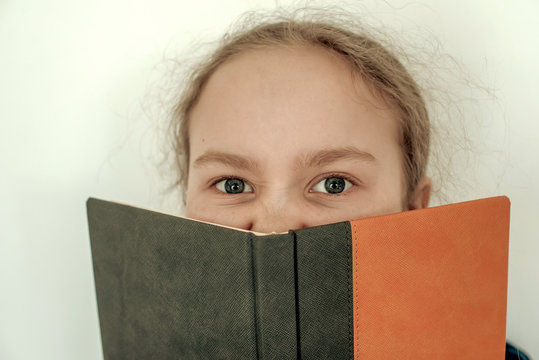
(234, 186)
(334, 185)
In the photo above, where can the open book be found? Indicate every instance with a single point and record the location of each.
(422, 284)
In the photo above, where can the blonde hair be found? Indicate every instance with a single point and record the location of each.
(374, 63)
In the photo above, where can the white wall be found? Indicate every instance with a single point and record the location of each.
(76, 82)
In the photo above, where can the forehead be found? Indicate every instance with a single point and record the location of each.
(282, 94)
(293, 73)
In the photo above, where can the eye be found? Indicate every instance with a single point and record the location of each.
(332, 185)
(233, 186)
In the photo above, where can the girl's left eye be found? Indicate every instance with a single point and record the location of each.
(332, 185)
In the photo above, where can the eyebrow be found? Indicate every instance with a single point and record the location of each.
(327, 156)
(312, 159)
(232, 160)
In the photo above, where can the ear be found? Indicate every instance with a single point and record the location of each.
(421, 195)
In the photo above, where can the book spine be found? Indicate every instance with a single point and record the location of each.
(325, 292)
(275, 296)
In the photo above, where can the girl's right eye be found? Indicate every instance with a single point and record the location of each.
(233, 186)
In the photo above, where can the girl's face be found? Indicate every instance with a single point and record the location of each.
(286, 138)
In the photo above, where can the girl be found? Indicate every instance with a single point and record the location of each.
(305, 114)
(291, 124)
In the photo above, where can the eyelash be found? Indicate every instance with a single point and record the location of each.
(353, 181)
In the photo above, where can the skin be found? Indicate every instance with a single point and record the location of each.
(284, 119)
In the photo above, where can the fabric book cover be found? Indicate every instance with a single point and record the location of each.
(422, 284)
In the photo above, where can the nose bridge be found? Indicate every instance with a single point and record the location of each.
(277, 212)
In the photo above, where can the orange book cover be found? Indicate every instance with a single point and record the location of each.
(428, 285)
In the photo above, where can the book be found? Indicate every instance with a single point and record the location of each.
(421, 284)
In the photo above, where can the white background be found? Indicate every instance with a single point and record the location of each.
(78, 118)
